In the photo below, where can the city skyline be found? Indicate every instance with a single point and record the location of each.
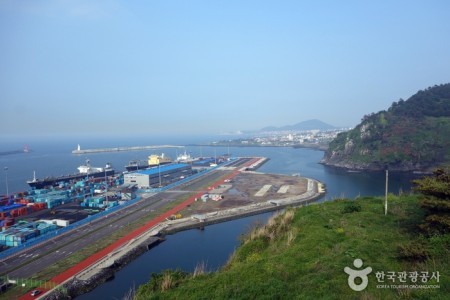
(177, 67)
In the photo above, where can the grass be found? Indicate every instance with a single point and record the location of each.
(302, 253)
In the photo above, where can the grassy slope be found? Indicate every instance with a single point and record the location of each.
(302, 255)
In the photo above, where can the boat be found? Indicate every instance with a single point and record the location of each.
(84, 171)
(153, 160)
(185, 158)
(135, 165)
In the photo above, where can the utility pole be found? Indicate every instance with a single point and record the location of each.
(6, 177)
(106, 189)
(386, 193)
(159, 173)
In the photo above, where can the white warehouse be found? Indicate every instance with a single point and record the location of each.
(158, 176)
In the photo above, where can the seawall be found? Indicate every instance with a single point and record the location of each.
(90, 279)
(191, 224)
(116, 149)
(98, 274)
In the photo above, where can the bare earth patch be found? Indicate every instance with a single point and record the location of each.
(246, 185)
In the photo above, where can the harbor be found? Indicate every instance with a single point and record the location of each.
(207, 203)
(224, 200)
(118, 149)
(120, 218)
(72, 198)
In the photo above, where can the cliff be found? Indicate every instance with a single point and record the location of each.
(412, 135)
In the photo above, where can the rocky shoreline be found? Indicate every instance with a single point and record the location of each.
(349, 165)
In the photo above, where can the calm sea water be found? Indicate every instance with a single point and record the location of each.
(53, 157)
(184, 250)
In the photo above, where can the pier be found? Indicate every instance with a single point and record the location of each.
(236, 181)
(116, 149)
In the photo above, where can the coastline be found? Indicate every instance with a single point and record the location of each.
(238, 145)
(187, 225)
(354, 167)
(104, 270)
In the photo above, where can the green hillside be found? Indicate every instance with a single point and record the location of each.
(302, 253)
(410, 135)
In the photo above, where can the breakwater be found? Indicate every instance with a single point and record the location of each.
(116, 149)
(12, 152)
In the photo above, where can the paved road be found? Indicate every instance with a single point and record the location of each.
(40, 257)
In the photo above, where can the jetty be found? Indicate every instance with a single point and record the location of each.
(116, 149)
(24, 150)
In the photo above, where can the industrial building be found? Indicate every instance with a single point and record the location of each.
(158, 176)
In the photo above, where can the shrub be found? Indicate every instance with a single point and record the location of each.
(436, 200)
(413, 252)
(164, 280)
(351, 207)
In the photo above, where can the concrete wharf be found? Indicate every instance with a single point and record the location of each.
(115, 149)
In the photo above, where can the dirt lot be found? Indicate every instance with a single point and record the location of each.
(245, 187)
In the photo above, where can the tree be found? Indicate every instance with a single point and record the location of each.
(436, 200)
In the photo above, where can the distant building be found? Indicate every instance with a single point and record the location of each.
(158, 176)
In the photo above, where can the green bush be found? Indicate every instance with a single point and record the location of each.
(351, 207)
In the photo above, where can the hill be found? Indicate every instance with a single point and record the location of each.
(410, 135)
(302, 126)
(302, 254)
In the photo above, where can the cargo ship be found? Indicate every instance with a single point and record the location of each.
(153, 160)
(85, 171)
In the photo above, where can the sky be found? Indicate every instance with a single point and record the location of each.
(206, 67)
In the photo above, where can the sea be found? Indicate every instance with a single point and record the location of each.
(213, 246)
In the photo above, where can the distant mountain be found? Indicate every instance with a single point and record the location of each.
(305, 125)
(410, 135)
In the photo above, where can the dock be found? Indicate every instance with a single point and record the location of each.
(116, 149)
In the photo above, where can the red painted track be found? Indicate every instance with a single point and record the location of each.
(122, 241)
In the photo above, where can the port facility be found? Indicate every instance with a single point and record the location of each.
(115, 149)
(25, 264)
(158, 176)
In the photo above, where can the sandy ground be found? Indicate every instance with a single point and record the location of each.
(244, 188)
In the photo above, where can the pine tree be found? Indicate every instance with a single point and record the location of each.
(436, 200)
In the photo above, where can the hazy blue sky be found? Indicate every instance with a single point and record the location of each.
(212, 66)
